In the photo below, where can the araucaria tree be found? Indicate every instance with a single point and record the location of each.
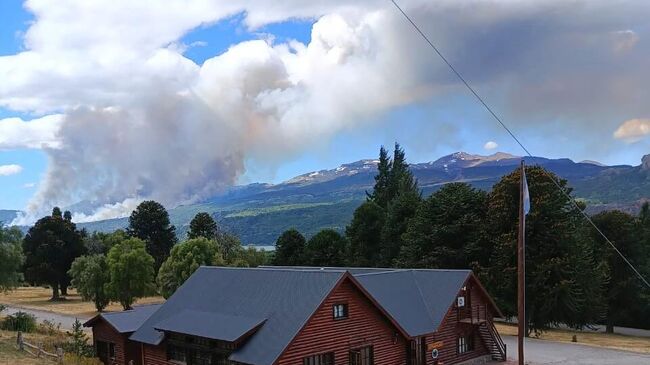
(290, 248)
(150, 223)
(185, 258)
(131, 272)
(50, 246)
(90, 277)
(563, 281)
(326, 248)
(203, 225)
(623, 299)
(447, 230)
(11, 257)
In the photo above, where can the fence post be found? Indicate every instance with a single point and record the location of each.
(40, 350)
(59, 355)
(19, 341)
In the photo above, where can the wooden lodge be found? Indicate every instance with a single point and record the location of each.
(309, 316)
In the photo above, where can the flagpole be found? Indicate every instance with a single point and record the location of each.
(521, 285)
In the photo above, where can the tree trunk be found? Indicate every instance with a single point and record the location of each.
(610, 327)
(55, 291)
(64, 290)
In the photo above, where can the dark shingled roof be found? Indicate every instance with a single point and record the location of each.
(285, 298)
(126, 321)
(210, 325)
(416, 299)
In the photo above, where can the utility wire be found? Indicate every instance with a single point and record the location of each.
(496, 117)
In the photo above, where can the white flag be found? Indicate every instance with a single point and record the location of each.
(526, 194)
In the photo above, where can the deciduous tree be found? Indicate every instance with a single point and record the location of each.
(185, 258)
(131, 271)
(90, 277)
(11, 257)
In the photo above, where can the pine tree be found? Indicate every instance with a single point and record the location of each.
(379, 193)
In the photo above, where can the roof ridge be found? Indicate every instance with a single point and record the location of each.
(424, 302)
(315, 269)
(383, 272)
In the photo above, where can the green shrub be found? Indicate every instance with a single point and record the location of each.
(20, 321)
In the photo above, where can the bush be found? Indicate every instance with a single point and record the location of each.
(48, 328)
(20, 321)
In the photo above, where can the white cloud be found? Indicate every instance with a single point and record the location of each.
(7, 170)
(29, 185)
(633, 130)
(16, 133)
(142, 121)
(490, 145)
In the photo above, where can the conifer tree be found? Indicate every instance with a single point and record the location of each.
(203, 225)
(380, 192)
(556, 268)
(290, 248)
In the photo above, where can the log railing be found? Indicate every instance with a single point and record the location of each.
(37, 350)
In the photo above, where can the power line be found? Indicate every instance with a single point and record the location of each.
(496, 117)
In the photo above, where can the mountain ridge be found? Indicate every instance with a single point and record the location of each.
(259, 212)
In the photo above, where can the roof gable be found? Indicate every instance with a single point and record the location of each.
(417, 299)
(285, 298)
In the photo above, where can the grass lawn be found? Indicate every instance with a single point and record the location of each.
(10, 355)
(38, 298)
(613, 341)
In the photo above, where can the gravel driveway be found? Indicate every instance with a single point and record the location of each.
(540, 352)
(65, 321)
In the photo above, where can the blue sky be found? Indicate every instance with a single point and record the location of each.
(428, 129)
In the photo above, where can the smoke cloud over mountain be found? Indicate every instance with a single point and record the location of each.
(135, 119)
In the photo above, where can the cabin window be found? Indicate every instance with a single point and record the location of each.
(340, 311)
(105, 350)
(176, 354)
(465, 343)
(321, 359)
(362, 356)
(417, 351)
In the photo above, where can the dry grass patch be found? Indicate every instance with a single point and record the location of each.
(598, 339)
(10, 355)
(39, 298)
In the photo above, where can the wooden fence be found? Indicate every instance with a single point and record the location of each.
(38, 351)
